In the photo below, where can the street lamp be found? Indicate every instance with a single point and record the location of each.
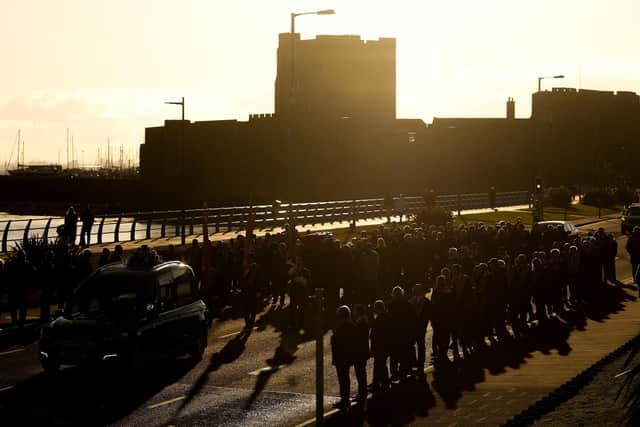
(561, 76)
(181, 104)
(293, 69)
(317, 12)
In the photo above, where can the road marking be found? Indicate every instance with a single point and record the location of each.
(234, 333)
(266, 369)
(18, 350)
(167, 402)
(6, 388)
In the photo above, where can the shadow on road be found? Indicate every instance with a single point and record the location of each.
(91, 395)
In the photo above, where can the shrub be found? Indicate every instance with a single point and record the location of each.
(624, 197)
(432, 216)
(598, 198)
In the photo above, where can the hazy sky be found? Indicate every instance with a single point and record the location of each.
(103, 68)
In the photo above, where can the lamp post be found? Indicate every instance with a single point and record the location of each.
(293, 31)
(561, 76)
(181, 104)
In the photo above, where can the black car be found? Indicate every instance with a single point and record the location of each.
(630, 218)
(131, 315)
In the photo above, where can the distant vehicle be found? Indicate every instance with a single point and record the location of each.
(568, 227)
(630, 218)
(130, 315)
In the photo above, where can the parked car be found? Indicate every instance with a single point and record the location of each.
(568, 227)
(129, 314)
(630, 218)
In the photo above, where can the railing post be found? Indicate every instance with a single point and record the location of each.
(319, 299)
(100, 228)
(353, 214)
(217, 223)
(191, 226)
(163, 228)
(116, 231)
(148, 234)
(5, 234)
(45, 234)
(183, 236)
(458, 202)
(25, 236)
(132, 237)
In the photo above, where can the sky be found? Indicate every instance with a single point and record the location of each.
(103, 69)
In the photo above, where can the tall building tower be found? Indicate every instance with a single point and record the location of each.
(511, 109)
(336, 76)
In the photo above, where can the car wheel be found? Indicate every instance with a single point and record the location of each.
(50, 365)
(199, 345)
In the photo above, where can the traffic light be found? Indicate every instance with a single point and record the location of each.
(539, 184)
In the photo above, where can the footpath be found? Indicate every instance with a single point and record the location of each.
(493, 388)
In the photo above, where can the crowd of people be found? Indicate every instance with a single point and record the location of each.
(475, 285)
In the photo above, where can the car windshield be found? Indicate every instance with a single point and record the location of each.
(634, 211)
(111, 295)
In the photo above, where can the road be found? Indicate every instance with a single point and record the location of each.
(267, 379)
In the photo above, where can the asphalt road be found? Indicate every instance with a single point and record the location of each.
(265, 379)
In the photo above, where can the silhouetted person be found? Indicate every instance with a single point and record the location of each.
(300, 285)
(380, 342)
(87, 219)
(422, 308)
(116, 256)
(20, 276)
(388, 206)
(3, 282)
(611, 251)
(401, 206)
(361, 351)
(249, 288)
(71, 225)
(633, 248)
(105, 257)
(403, 321)
(194, 258)
(492, 197)
(344, 335)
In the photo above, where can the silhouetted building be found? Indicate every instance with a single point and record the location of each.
(335, 136)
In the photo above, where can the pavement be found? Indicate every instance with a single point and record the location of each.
(267, 378)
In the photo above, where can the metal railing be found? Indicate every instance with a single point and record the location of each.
(148, 225)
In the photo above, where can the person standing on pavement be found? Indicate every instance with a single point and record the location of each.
(610, 261)
(633, 248)
(87, 219)
(20, 274)
(71, 225)
(422, 307)
(361, 351)
(344, 334)
(380, 336)
(403, 321)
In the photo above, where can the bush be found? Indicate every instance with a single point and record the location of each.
(624, 197)
(432, 216)
(598, 198)
(560, 197)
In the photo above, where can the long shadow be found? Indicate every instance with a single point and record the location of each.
(407, 401)
(230, 352)
(91, 395)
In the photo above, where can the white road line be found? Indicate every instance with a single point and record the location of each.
(266, 369)
(6, 388)
(229, 335)
(167, 402)
(18, 350)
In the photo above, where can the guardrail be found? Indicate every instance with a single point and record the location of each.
(173, 223)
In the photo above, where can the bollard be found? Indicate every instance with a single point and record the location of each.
(319, 299)
(183, 237)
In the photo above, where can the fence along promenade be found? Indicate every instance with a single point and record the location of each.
(130, 226)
